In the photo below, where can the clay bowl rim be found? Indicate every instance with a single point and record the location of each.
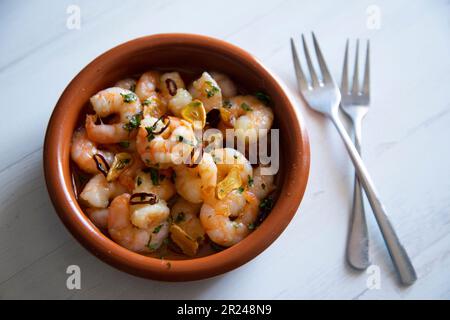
(57, 176)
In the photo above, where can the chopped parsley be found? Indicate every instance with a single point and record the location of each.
(250, 181)
(180, 138)
(227, 104)
(133, 87)
(135, 121)
(266, 204)
(129, 97)
(152, 246)
(240, 189)
(147, 102)
(139, 181)
(154, 175)
(157, 229)
(263, 97)
(212, 89)
(251, 226)
(246, 107)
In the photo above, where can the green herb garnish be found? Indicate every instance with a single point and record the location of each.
(135, 122)
(251, 226)
(212, 89)
(157, 229)
(261, 96)
(139, 181)
(129, 97)
(246, 107)
(154, 175)
(250, 181)
(240, 189)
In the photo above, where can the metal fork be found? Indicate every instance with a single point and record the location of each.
(323, 95)
(355, 103)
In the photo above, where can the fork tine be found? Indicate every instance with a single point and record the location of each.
(344, 81)
(301, 79)
(366, 84)
(355, 84)
(326, 77)
(314, 80)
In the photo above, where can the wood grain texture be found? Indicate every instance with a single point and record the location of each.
(405, 145)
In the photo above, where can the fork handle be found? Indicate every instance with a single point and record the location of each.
(397, 252)
(358, 237)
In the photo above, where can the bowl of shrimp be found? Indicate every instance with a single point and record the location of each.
(176, 157)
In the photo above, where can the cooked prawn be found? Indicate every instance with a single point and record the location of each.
(185, 215)
(154, 182)
(172, 146)
(246, 114)
(98, 191)
(82, 151)
(207, 91)
(110, 101)
(147, 84)
(193, 183)
(225, 84)
(130, 236)
(215, 217)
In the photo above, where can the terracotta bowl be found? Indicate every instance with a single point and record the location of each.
(175, 51)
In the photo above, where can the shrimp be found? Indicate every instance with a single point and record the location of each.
(228, 158)
(227, 86)
(207, 91)
(193, 183)
(127, 84)
(154, 182)
(128, 177)
(262, 185)
(215, 217)
(99, 217)
(110, 101)
(123, 231)
(98, 191)
(164, 148)
(83, 150)
(185, 215)
(147, 84)
(246, 114)
(181, 99)
(169, 83)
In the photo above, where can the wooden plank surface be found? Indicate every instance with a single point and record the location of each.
(405, 144)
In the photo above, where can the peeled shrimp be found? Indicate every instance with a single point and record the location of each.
(83, 150)
(262, 185)
(172, 146)
(227, 86)
(98, 191)
(228, 158)
(130, 236)
(207, 91)
(193, 183)
(110, 101)
(147, 84)
(185, 215)
(246, 114)
(99, 217)
(153, 182)
(215, 217)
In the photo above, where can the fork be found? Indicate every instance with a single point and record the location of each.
(323, 95)
(355, 104)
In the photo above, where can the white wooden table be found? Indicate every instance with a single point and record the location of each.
(405, 144)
